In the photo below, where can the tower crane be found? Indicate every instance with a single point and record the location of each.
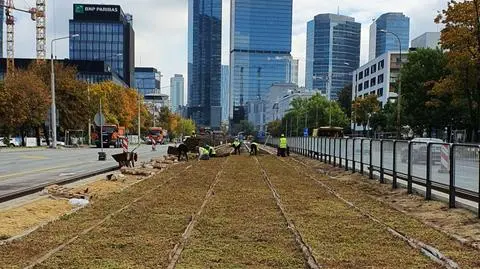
(37, 14)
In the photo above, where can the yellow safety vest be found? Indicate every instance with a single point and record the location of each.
(205, 151)
(213, 150)
(236, 143)
(283, 143)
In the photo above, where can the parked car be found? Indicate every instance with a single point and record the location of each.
(419, 151)
(13, 142)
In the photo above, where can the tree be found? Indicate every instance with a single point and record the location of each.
(461, 37)
(345, 99)
(246, 127)
(421, 108)
(275, 128)
(185, 127)
(364, 108)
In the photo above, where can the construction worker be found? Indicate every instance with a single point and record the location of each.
(253, 148)
(236, 145)
(211, 151)
(203, 153)
(283, 146)
(194, 134)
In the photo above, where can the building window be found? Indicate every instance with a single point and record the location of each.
(366, 85)
(381, 64)
(372, 92)
(373, 81)
(373, 69)
(365, 95)
(360, 87)
(367, 72)
(380, 79)
(380, 92)
(360, 75)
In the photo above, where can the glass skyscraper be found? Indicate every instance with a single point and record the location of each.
(147, 80)
(381, 42)
(106, 34)
(261, 42)
(333, 53)
(204, 62)
(177, 92)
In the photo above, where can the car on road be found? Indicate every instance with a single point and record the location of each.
(419, 151)
(10, 142)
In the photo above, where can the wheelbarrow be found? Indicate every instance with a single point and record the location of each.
(127, 159)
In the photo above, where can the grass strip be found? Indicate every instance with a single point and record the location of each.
(361, 195)
(241, 226)
(143, 235)
(339, 236)
(21, 253)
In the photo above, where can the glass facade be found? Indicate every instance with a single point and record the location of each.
(147, 80)
(204, 62)
(261, 42)
(333, 53)
(177, 92)
(104, 40)
(396, 23)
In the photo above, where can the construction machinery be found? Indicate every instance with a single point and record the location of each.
(38, 14)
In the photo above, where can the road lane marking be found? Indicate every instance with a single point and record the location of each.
(31, 157)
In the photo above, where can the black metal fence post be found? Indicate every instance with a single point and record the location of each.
(361, 156)
(325, 157)
(478, 213)
(340, 153)
(382, 172)
(451, 193)
(410, 163)
(394, 181)
(428, 191)
(329, 151)
(371, 159)
(346, 154)
(354, 166)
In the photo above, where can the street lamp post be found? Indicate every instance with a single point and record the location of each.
(399, 98)
(52, 76)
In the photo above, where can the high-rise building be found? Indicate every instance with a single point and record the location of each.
(225, 92)
(261, 42)
(204, 62)
(148, 80)
(333, 53)
(105, 34)
(294, 71)
(381, 42)
(427, 40)
(177, 92)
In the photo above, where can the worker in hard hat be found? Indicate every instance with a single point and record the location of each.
(253, 148)
(283, 146)
(236, 145)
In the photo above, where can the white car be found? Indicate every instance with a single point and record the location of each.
(14, 142)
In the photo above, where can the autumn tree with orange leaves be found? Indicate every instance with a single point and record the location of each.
(461, 39)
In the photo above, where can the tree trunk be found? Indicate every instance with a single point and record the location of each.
(47, 134)
(37, 134)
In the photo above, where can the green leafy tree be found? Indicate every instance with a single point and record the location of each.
(461, 37)
(275, 128)
(422, 109)
(364, 108)
(345, 99)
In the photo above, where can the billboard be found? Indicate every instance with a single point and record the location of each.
(97, 12)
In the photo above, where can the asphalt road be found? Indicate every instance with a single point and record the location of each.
(24, 169)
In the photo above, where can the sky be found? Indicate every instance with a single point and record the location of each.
(161, 27)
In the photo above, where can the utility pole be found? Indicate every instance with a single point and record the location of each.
(139, 117)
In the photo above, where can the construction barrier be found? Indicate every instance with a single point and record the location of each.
(125, 144)
(444, 159)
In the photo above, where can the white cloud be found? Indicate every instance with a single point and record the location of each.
(161, 26)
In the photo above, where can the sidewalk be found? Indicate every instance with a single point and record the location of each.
(234, 212)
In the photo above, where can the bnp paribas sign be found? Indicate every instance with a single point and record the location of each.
(96, 12)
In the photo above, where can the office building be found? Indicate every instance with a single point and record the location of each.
(381, 42)
(261, 40)
(256, 114)
(379, 76)
(105, 34)
(429, 40)
(225, 92)
(177, 92)
(204, 62)
(294, 71)
(148, 80)
(333, 53)
(88, 71)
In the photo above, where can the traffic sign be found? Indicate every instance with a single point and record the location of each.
(305, 132)
(99, 119)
